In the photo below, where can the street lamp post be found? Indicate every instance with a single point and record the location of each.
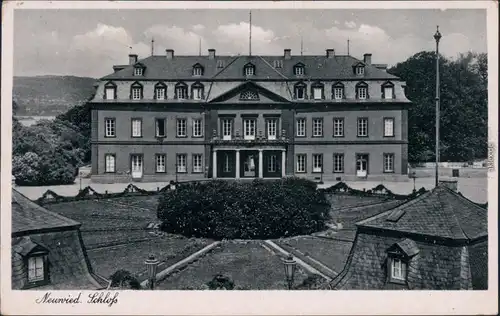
(437, 37)
(290, 266)
(414, 176)
(80, 177)
(152, 265)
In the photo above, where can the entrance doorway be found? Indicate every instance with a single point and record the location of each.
(136, 166)
(361, 165)
(249, 165)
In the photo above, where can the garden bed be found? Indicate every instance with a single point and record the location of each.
(168, 250)
(248, 265)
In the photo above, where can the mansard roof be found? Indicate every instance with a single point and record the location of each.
(338, 67)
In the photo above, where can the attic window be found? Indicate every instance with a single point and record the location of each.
(278, 63)
(249, 95)
(36, 268)
(298, 70)
(360, 70)
(388, 90)
(395, 216)
(197, 70)
(220, 64)
(398, 270)
(249, 70)
(138, 71)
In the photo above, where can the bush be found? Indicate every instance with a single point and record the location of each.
(220, 282)
(246, 210)
(125, 280)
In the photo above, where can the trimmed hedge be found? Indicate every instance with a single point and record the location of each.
(247, 210)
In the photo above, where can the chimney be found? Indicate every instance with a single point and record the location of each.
(450, 184)
(211, 53)
(330, 53)
(132, 59)
(170, 53)
(381, 66)
(368, 59)
(288, 53)
(117, 68)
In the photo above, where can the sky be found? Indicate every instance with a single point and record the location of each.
(90, 42)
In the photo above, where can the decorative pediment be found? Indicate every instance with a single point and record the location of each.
(27, 247)
(139, 65)
(249, 92)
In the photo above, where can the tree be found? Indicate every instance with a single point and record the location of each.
(464, 106)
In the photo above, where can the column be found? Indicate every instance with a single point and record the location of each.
(283, 163)
(260, 164)
(214, 164)
(237, 164)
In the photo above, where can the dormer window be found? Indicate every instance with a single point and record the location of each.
(398, 269)
(249, 70)
(300, 91)
(35, 258)
(317, 91)
(181, 91)
(298, 69)
(160, 91)
(197, 70)
(362, 91)
(388, 91)
(136, 91)
(138, 71)
(249, 95)
(338, 91)
(360, 70)
(197, 91)
(278, 63)
(220, 64)
(399, 256)
(110, 91)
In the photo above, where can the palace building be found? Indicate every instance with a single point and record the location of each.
(329, 117)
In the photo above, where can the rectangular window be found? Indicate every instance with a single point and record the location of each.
(388, 162)
(338, 163)
(301, 127)
(278, 63)
(299, 71)
(197, 93)
(220, 64)
(362, 92)
(181, 128)
(227, 129)
(388, 91)
(362, 127)
(227, 163)
(197, 128)
(181, 93)
(318, 127)
(160, 93)
(110, 93)
(36, 270)
(249, 71)
(388, 127)
(301, 162)
(317, 163)
(272, 163)
(136, 93)
(300, 93)
(360, 70)
(136, 128)
(398, 269)
(138, 72)
(318, 93)
(181, 163)
(161, 127)
(338, 93)
(110, 124)
(249, 128)
(272, 129)
(161, 163)
(110, 163)
(197, 163)
(338, 127)
(197, 71)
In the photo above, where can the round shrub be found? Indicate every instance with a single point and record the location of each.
(244, 210)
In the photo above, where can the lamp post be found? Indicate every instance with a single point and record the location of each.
(152, 265)
(80, 177)
(414, 176)
(437, 37)
(290, 266)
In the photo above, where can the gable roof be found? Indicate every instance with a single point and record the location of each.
(440, 212)
(28, 217)
(407, 246)
(316, 67)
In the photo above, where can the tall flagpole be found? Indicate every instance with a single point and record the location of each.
(250, 36)
(301, 45)
(437, 37)
(348, 47)
(152, 46)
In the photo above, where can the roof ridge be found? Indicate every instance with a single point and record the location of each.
(409, 202)
(453, 214)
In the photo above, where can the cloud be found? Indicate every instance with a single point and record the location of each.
(350, 24)
(173, 37)
(198, 27)
(233, 38)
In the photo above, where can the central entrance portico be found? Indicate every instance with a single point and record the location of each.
(241, 162)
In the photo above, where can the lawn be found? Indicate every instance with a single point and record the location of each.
(343, 201)
(331, 253)
(168, 249)
(249, 266)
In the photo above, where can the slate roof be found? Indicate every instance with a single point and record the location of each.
(27, 216)
(440, 212)
(316, 67)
